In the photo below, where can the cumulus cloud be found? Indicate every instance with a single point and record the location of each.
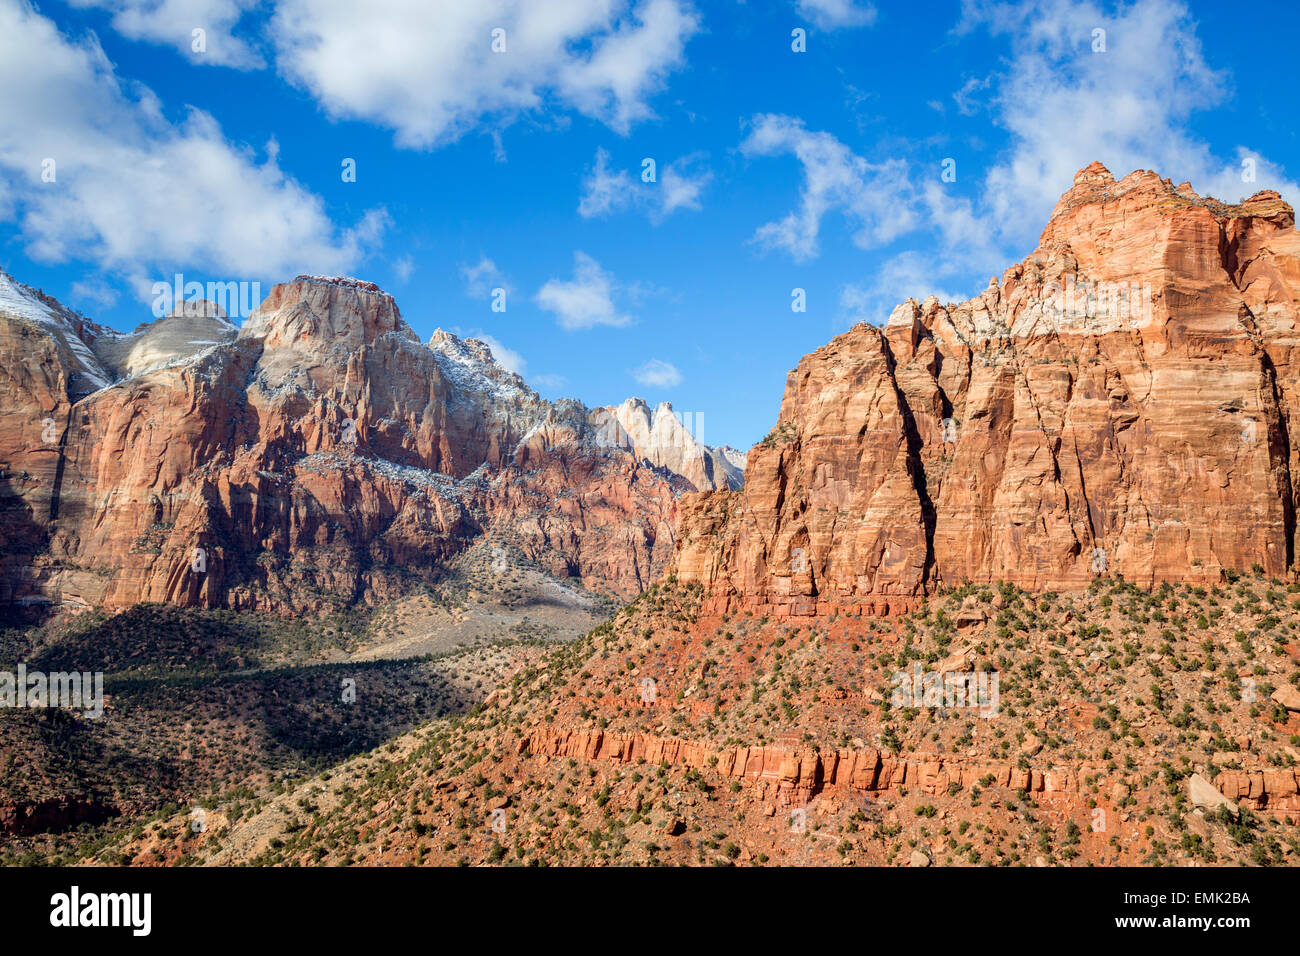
(909, 274)
(93, 291)
(1128, 105)
(506, 357)
(426, 68)
(548, 381)
(832, 14)
(173, 22)
(403, 267)
(482, 277)
(605, 190)
(678, 186)
(876, 198)
(1063, 106)
(136, 194)
(586, 300)
(658, 373)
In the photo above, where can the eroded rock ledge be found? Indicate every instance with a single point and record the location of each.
(792, 777)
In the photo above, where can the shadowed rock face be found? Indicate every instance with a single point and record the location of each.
(1123, 401)
(321, 456)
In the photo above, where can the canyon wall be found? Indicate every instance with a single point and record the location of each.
(1123, 401)
(319, 456)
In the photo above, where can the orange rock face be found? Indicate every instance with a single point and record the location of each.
(323, 455)
(794, 776)
(1123, 402)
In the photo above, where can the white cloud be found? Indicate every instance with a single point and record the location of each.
(876, 198)
(546, 380)
(403, 267)
(426, 68)
(679, 188)
(585, 301)
(604, 190)
(136, 194)
(173, 22)
(93, 291)
(831, 14)
(966, 98)
(607, 191)
(658, 373)
(482, 277)
(1065, 105)
(967, 255)
(506, 357)
(907, 275)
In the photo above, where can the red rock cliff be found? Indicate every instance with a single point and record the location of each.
(1123, 400)
(321, 455)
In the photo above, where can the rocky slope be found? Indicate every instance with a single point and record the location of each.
(1127, 728)
(1123, 400)
(323, 455)
(190, 328)
(662, 438)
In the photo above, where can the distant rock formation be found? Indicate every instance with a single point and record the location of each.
(662, 438)
(320, 456)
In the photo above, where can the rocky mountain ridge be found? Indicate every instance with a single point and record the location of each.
(320, 454)
(1122, 401)
(663, 438)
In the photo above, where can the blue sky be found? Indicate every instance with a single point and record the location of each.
(819, 170)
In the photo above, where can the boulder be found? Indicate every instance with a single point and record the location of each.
(1205, 795)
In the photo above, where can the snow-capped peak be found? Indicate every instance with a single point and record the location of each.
(24, 302)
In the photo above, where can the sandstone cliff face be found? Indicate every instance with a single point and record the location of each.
(1123, 401)
(665, 440)
(323, 455)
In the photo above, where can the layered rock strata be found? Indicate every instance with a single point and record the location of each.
(1123, 401)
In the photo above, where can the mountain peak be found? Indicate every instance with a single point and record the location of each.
(469, 363)
(467, 349)
(345, 282)
(322, 312)
(664, 439)
(1152, 327)
(1094, 172)
(1099, 208)
(63, 325)
(197, 309)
